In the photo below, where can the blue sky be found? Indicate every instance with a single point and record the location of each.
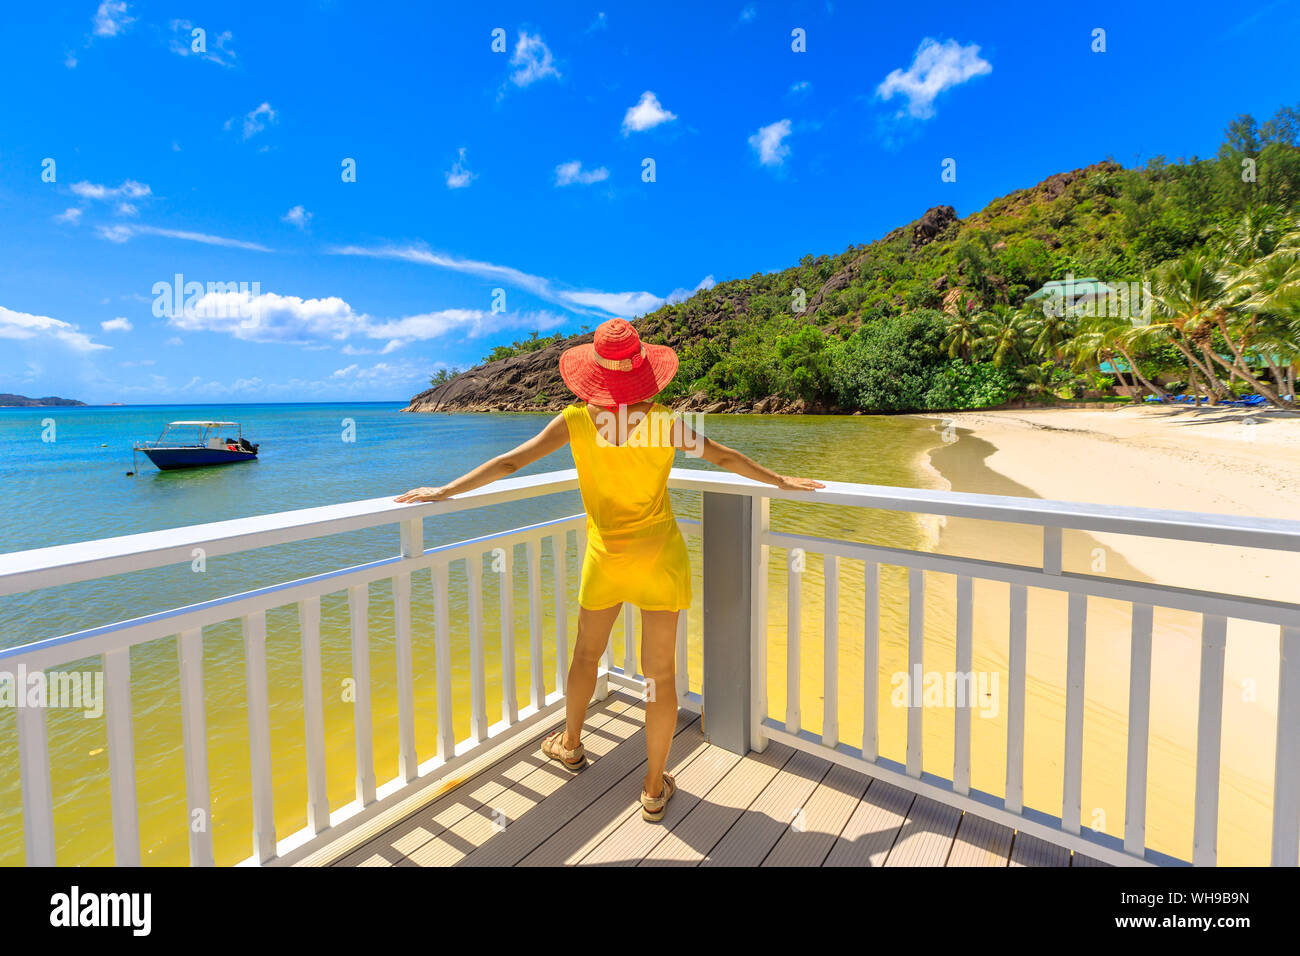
(521, 169)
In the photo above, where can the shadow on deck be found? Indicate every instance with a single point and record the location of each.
(777, 808)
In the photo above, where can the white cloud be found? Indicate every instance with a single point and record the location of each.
(935, 67)
(459, 176)
(532, 61)
(216, 46)
(70, 216)
(112, 18)
(291, 320)
(120, 324)
(126, 209)
(681, 295)
(769, 143)
(803, 86)
(256, 120)
(122, 232)
(647, 114)
(130, 189)
(297, 216)
(748, 14)
(23, 326)
(70, 60)
(572, 172)
(620, 304)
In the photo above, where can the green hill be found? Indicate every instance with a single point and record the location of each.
(938, 314)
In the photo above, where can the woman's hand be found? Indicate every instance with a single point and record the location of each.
(423, 494)
(789, 483)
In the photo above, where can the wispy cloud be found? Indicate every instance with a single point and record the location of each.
(214, 48)
(23, 326)
(70, 216)
(112, 18)
(459, 176)
(531, 61)
(619, 304)
(748, 14)
(769, 143)
(297, 216)
(130, 189)
(569, 173)
(647, 114)
(120, 324)
(122, 233)
(935, 67)
(255, 120)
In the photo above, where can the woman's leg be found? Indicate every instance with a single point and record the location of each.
(658, 651)
(593, 635)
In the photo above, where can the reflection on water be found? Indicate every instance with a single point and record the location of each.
(307, 461)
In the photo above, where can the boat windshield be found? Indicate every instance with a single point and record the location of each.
(197, 434)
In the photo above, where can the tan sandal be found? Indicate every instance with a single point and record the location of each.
(572, 760)
(653, 808)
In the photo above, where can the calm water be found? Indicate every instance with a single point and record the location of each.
(67, 483)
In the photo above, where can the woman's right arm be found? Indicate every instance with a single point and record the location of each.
(701, 446)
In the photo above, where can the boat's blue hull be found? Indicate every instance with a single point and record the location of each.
(169, 459)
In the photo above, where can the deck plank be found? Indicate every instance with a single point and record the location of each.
(710, 819)
(586, 830)
(756, 832)
(629, 844)
(408, 835)
(1031, 851)
(527, 833)
(1078, 859)
(871, 831)
(824, 817)
(980, 842)
(927, 836)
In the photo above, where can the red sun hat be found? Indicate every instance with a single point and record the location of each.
(616, 368)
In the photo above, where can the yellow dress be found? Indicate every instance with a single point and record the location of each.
(635, 551)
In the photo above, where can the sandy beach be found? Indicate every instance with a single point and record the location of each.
(1229, 461)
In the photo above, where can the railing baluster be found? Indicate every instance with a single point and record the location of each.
(559, 562)
(793, 579)
(313, 706)
(760, 521)
(536, 678)
(509, 693)
(629, 642)
(121, 757)
(831, 652)
(407, 756)
(1209, 735)
(870, 660)
(1076, 647)
(478, 722)
(1016, 650)
(194, 743)
(442, 660)
(38, 797)
(683, 677)
(407, 760)
(965, 670)
(359, 606)
(915, 666)
(259, 736)
(1139, 725)
(1286, 773)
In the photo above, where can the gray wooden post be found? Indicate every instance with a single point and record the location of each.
(727, 609)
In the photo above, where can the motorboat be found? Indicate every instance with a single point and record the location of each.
(197, 444)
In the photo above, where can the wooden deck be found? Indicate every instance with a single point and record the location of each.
(777, 808)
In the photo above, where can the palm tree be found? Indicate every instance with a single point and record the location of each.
(1186, 292)
(963, 335)
(1003, 333)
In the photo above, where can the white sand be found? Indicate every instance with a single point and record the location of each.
(1228, 461)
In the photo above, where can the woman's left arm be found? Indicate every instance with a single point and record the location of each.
(551, 438)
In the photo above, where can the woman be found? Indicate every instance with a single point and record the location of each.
(623, 444)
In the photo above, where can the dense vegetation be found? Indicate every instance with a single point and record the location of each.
(936, 316)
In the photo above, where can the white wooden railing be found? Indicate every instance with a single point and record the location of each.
(725, 554)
